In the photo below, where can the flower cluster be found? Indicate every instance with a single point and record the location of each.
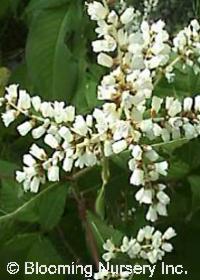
(187, 45)
(146, 172)
(150, 244)
(138, 54)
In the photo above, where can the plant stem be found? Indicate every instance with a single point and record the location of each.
(89, 234)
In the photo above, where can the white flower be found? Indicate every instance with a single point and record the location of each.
(53, 173)
(108, 151)
(66, 134)
(157, 130)
(90, 158)
(165, 135)
(161, 167)
(9, 117)
(169, 233)
(146, 125)
(121, 130)
(119, 146)
(187, 104)
(145, 32)
(12, 93)
(197, 103)
(195, 24)
(144, 196)
(127, 16)
(152, 214)
(107, 45)
(161, 209)
(47, 110)
(113, 17)
(97, 11)
(38, 152)
(69, 114)
(51, 141)
(190, 131)
(163, 197)
(29, 160)
(36, 102)
(137, 178)
(175, 108)
(102, 28)
(20, 176)
(125, 245)
(80, 126)
(110, 247)
(34, 184)
(151, 155)
(38, 132)
(100, 118)
(137, 152)
(89, 120)
(105, 60)
(167, 247)
(68, 164)
(24, 101)
(59, 112)
(156, 103)
(24, 128)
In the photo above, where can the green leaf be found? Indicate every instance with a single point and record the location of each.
(44, 252)
(190, 153)
(44, 4)
(10, 196)
(194, 181)
(178, 169)
(20, 76)
(33, 210)
(30, 247)
(100, 203)
(102, 231)
(7, 169)
(4, 8)
(186, 83)
(51, 65)
(170, 146)
(51, 207)
(16, 249)
(121, 160)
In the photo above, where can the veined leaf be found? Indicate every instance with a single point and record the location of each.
(51, 65)
(51, 207)
(102, 231)
(40, 208)
(186, 83)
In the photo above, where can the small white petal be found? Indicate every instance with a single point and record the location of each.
(51, 141)
(53, 173)
(25, 128)
(169, 233)
(105, 60)
(119, 146)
